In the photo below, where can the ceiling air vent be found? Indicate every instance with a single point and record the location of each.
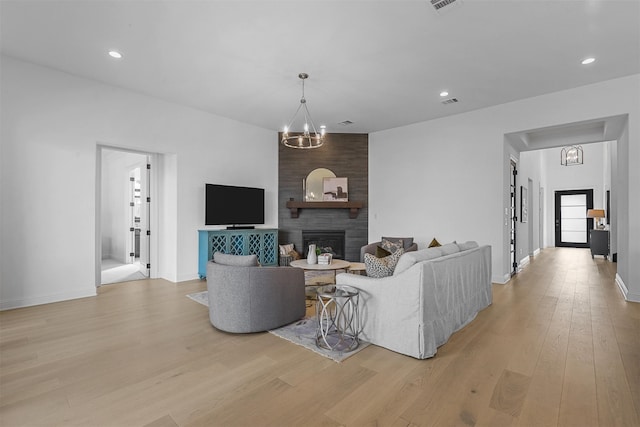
(346, 123)
(439, 4)
(450, 101)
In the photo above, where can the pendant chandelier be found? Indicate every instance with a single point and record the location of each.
(571, 155)
(310, 137)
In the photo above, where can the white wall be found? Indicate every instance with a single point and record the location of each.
(51, 125)
(528, 241)
(446, 177)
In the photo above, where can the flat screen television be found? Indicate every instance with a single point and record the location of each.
(230, 205)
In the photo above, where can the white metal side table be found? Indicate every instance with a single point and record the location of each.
(338, 320)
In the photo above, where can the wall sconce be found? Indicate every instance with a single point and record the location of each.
(596, 214)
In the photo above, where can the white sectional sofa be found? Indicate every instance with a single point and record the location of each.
(433, 293)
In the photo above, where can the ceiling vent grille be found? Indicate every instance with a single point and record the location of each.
(450, 101)
(346, 123)
(439, 4)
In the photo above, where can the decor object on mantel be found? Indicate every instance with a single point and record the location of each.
(305, 140)
(571, 155)
(313, 185)
(335, 189)
(596, 214)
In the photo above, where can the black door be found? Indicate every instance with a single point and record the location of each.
(572, 225)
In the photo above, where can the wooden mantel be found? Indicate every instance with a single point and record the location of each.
(353, 207)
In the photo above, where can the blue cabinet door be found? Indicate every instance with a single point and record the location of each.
(261, 242)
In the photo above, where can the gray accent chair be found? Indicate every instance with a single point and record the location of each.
(407, 243)
(245, 297)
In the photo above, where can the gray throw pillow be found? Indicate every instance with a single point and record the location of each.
(406, 241)
(391, 246)
(236, 260)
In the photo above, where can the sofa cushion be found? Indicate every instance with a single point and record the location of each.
(236, 260)
(467, 245)
(381, 267)
(406, 241)
(410, 258)
(449, 248)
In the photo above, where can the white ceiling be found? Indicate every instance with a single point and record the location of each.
(379, 64)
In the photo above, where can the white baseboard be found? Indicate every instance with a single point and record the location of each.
(521, 264)
(628, 296)
(46, 299)
(188, 277)
(501, 280)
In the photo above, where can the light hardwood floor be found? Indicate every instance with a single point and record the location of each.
(559, 346)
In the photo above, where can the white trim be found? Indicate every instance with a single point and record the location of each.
(186, 278)
(628, 296)
(47, 299)
(154, 183)
(536, 252)
(523, 262)
(501, 280)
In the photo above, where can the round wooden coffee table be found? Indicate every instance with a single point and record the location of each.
(336, 264)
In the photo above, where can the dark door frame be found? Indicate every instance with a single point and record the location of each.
(514, 218)
(558, 219)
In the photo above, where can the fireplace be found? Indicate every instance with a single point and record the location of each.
(328, 241)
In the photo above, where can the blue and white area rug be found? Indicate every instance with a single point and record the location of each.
(302, 333)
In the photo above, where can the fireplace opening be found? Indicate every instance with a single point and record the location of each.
(328, 241)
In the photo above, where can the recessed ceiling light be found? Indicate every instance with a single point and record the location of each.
(115, 54)
(588, 61)
(444, 93)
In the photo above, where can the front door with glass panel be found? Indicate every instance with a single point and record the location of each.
(571, 222)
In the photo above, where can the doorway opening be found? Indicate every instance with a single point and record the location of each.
(124, 215)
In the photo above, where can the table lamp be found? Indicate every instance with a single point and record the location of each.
(596, 214)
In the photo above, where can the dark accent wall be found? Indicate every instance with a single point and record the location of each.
(347, 155)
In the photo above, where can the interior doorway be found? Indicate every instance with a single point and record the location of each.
(571, 222)
(125, 212)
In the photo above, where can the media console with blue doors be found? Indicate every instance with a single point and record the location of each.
(261, 242)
